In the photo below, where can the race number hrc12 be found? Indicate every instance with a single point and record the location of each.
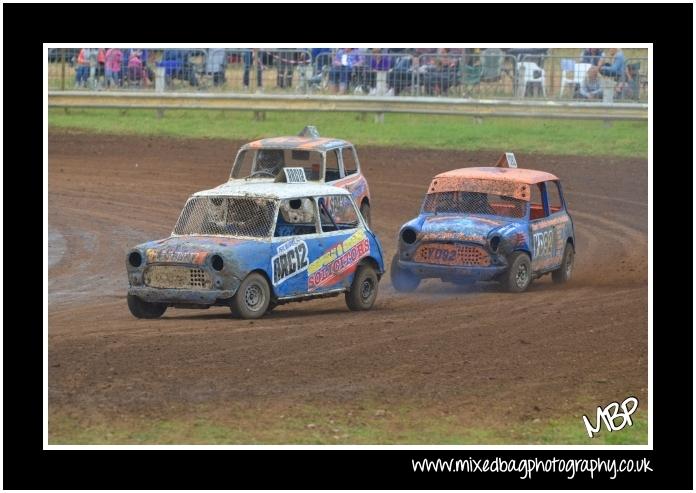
(290, 260)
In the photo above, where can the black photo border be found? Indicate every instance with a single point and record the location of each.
(27, 466)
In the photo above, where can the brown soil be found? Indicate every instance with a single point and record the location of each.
(484, 352)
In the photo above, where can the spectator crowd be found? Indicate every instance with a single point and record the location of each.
(380, 71)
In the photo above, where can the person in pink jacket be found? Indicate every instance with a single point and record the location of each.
(112, 66)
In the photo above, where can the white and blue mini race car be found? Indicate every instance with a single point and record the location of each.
(257, 245)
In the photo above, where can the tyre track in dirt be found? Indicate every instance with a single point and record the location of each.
(489, 353)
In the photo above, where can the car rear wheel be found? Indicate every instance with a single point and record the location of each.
(253, 297)
(519, 275)
(145, 309)
(402, 280)
(365, 211)
(363, 291)
(563, 273)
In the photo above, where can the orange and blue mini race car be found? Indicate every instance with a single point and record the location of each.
(324, 160)
(488, 223)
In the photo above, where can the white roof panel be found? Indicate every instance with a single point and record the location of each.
(273, 190)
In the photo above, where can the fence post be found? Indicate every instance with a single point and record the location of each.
(160, 81)
(381, 83)
(608, 86)
(62, 70)
(380, 90)
(254, 70)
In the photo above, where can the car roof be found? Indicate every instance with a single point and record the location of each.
(272, 190)
(320, 144)
(512, 182)
(516, 175)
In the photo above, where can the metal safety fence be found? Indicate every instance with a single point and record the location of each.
(587, 75)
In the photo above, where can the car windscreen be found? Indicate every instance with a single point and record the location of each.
(268, 163)
(227, 216)
(474, 203)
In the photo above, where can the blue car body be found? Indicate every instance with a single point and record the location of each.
(202, 270)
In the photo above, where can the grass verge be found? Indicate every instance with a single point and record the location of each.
(313, 425)
(564, 137)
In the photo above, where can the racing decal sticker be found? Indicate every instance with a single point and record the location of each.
(291, 259)
(445, 254)
(357, 187)
(544, 243)
(338, 261)
(172, 255)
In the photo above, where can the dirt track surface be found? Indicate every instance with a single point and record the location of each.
(548, 352)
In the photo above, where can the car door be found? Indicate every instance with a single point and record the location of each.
(294, 237)
(351, 177)
(549, 224)
(337, 251)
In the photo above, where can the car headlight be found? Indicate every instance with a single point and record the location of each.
(135, 258)
(216, 262)
(408, 236)
(494, 243)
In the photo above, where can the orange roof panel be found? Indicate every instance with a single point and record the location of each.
(512, 182)
(295, 142)
(517, 175)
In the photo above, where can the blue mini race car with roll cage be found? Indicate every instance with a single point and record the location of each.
(254, 246)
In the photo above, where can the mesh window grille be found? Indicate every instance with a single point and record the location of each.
(474, 203)
(270, 161)
(227, 216)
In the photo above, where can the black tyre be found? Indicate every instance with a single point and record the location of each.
(402, 280)
(363, 291)
(365, 211)
(235, 313)
(519, 275)
(145, 309)
(563, 273)
(252, 298)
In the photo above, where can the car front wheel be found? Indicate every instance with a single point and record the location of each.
(253, 297)
(363, 291)
(519, 274)
(145, 309)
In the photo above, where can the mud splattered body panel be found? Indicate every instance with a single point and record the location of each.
(203, 269)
